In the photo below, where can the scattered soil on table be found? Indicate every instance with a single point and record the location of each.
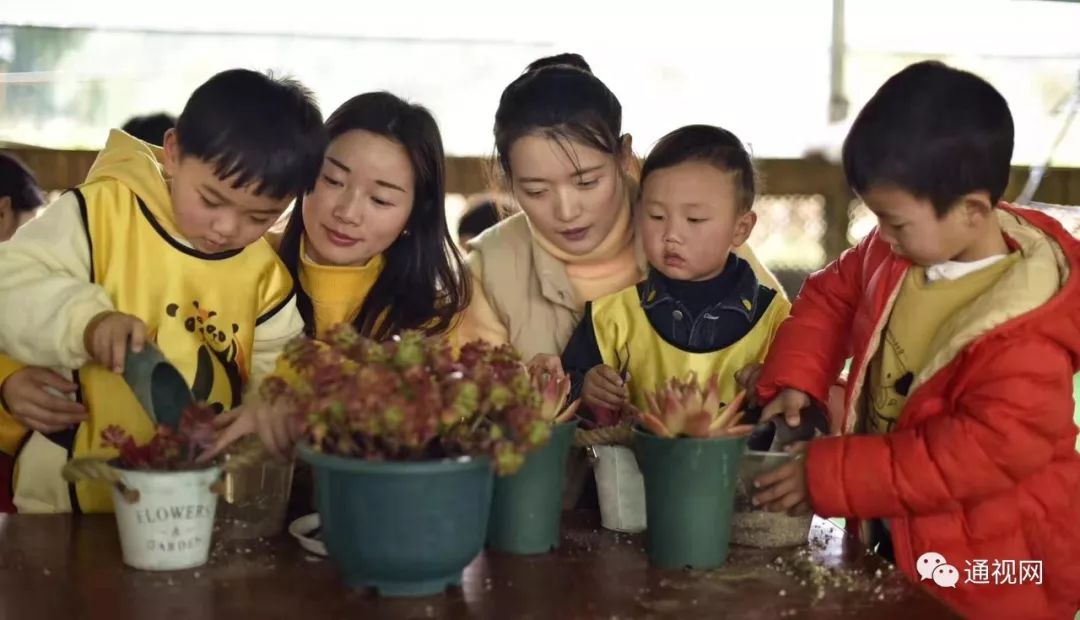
(800, 566)
(769, 530)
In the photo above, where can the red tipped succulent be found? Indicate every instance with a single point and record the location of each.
(169, 449)
(554, 390)
(688, 409)
(415, 398)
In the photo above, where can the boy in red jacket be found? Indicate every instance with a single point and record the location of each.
(962, 316)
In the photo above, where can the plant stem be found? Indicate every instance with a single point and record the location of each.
(476, 423)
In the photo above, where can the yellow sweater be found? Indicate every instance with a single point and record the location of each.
(336, 293)
(920, 307)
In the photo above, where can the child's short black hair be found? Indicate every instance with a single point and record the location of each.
(255, 128)
(712, 145)
(18, 183)
(934, 131)
(478, 219)
(150, 128)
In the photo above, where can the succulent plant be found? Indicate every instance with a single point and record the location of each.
(169, 449)
(415, 398)
(554, 389)
(689, 409)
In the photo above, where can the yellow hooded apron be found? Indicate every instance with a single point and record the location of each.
(201, 311)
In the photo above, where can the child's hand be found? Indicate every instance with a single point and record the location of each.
(603, 388)
(747, 379)
(788, 402)
(32, 398)
(273, 423)
(784, 489)
(107, 336)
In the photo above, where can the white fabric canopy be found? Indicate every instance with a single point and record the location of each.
(1006, 27)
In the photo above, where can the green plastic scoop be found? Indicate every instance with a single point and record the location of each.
(158, 385)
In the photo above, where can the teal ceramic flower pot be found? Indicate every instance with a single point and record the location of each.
(527, 506)
(403, 528)
(689, 497)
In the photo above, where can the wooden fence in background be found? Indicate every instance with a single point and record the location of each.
(57, 169)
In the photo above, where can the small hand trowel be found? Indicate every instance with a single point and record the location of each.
(158, 385)
(774, 435)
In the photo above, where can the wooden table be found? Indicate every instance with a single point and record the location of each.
(69, 567)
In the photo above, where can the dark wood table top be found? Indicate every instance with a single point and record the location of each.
(69, 567)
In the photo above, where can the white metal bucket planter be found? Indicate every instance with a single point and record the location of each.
(166, 518)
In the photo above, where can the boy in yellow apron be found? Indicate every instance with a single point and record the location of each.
(163, 246)
(701, 308)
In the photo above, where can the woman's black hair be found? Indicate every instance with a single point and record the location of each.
(479, 218)
(568, 59)
(150, 128)
(424, 284)
(558, 97)
(18, 183)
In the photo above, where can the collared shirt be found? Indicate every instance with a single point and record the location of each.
(705, 316)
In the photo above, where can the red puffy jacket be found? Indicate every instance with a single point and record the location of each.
(982, 464)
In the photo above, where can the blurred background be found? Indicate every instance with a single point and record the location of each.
(787, 76)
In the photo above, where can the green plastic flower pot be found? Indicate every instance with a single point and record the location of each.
(527, 506)
(403, 528)
(689, 497)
